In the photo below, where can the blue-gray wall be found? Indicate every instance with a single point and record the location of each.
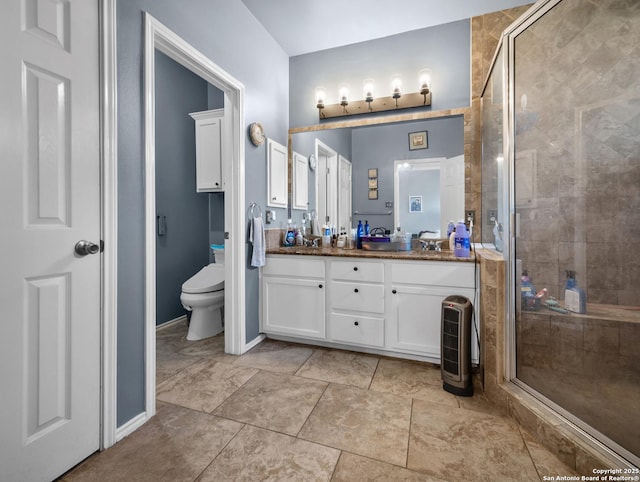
(227, 33)
(445, 49)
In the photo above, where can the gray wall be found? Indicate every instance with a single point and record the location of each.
(378, 146)
(184, 249)
(230, 36)
(445, 49)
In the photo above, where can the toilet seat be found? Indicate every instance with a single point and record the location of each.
(209, 279)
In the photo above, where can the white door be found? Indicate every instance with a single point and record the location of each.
(277, 177)
(50, 198)
(344, 194)
(451, 191)
(300, 182)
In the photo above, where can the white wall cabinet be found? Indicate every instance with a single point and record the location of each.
(277, 175)
(210, 149)
(293, 297)
(384, 306)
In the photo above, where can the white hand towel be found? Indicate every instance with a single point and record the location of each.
(256, 237)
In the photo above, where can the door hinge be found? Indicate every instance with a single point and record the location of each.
(226, 235)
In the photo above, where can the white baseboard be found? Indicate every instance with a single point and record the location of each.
(253, 343)
(131, 426)
(170, 323)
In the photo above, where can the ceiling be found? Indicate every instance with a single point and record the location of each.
(303, 26)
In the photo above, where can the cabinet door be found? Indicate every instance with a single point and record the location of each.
(300, 182)
(209, 149)
(414, 325)
(277, 178)
(293, 306)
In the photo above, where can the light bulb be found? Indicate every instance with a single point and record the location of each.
(368, 90)
(424, 77)
(321, 96)
(396, 86)
(343, 94)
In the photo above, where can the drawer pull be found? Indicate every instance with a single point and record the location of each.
(355, 290)
(355, 268)
(319, 286)
(356, 323)
(394, 291)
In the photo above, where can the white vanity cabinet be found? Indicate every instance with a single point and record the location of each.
(356, 302)
(210, 147)
(277, 175)
(293, 296)
(417, 292)
(387, 306)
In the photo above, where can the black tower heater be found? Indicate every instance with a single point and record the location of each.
(455, 346)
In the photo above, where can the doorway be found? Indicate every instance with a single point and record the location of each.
(159, 37)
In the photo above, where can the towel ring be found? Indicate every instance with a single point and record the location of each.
(253, 206)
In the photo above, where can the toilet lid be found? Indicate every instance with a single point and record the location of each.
(208, 279)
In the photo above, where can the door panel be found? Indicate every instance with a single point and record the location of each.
(50, 193)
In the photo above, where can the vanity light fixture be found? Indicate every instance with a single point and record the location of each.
(369, 104)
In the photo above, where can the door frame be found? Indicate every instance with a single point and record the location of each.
(157, 36)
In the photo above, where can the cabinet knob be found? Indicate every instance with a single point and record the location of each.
(355, 290)
(319, 286)
(355, 268)
(217, 183)
(273, 198)
(394, 291)
(356, 323)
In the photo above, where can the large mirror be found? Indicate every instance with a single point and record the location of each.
(407, 171)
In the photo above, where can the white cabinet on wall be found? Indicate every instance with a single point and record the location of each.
(277, 175)
(210, 149)
(293, 297)
(300, 182)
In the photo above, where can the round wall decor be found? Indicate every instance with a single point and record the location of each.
(256, 133)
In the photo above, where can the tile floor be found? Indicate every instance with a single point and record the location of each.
(293, 412)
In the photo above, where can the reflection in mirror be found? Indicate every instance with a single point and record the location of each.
(378, 146)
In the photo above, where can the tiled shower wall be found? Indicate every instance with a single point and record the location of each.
(577, 145)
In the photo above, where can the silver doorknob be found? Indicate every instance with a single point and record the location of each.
(83, 248)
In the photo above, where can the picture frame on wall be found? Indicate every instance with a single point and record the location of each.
(373, 184)
(415, 204)
(418, 140)
(373, 173)
(373, 194)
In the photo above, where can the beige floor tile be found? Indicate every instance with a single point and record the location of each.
(545, 462)
(367, 423)
(356, 468)
(466, 445)
(480, 403)
(257, 454)
(175, 445)
(338, 366)
(274, 401)
(204, 385)
(276, 356)
(411, 379)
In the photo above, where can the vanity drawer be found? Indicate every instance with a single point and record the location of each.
(357, 297)
(358, 270)
(443, 273)
(290, 265)
(359, 330)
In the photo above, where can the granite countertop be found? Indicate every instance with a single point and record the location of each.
(445, 255)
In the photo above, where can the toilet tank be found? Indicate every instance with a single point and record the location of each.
(218, 253)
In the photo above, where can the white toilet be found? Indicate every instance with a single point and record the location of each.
(203, 295)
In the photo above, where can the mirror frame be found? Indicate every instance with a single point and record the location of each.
(371, 121)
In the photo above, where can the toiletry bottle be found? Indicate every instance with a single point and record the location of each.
(452, 239)
(461, 241)
(367, 229)
(290, 235)
(359, 234)
(575, 298)
(299, 238)
(451, 227)
(529, 302)
(326, 236)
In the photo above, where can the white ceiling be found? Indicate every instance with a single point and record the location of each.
(303, 26)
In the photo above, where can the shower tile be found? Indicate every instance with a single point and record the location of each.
(411, 379)
(273, 401)
(276, 356)
(338, 366)
(177, 444)
(466, 445)
(601, 339)
(259, 454)
(367, 423)
(204, 385)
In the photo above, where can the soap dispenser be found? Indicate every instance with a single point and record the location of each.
(359, 234)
